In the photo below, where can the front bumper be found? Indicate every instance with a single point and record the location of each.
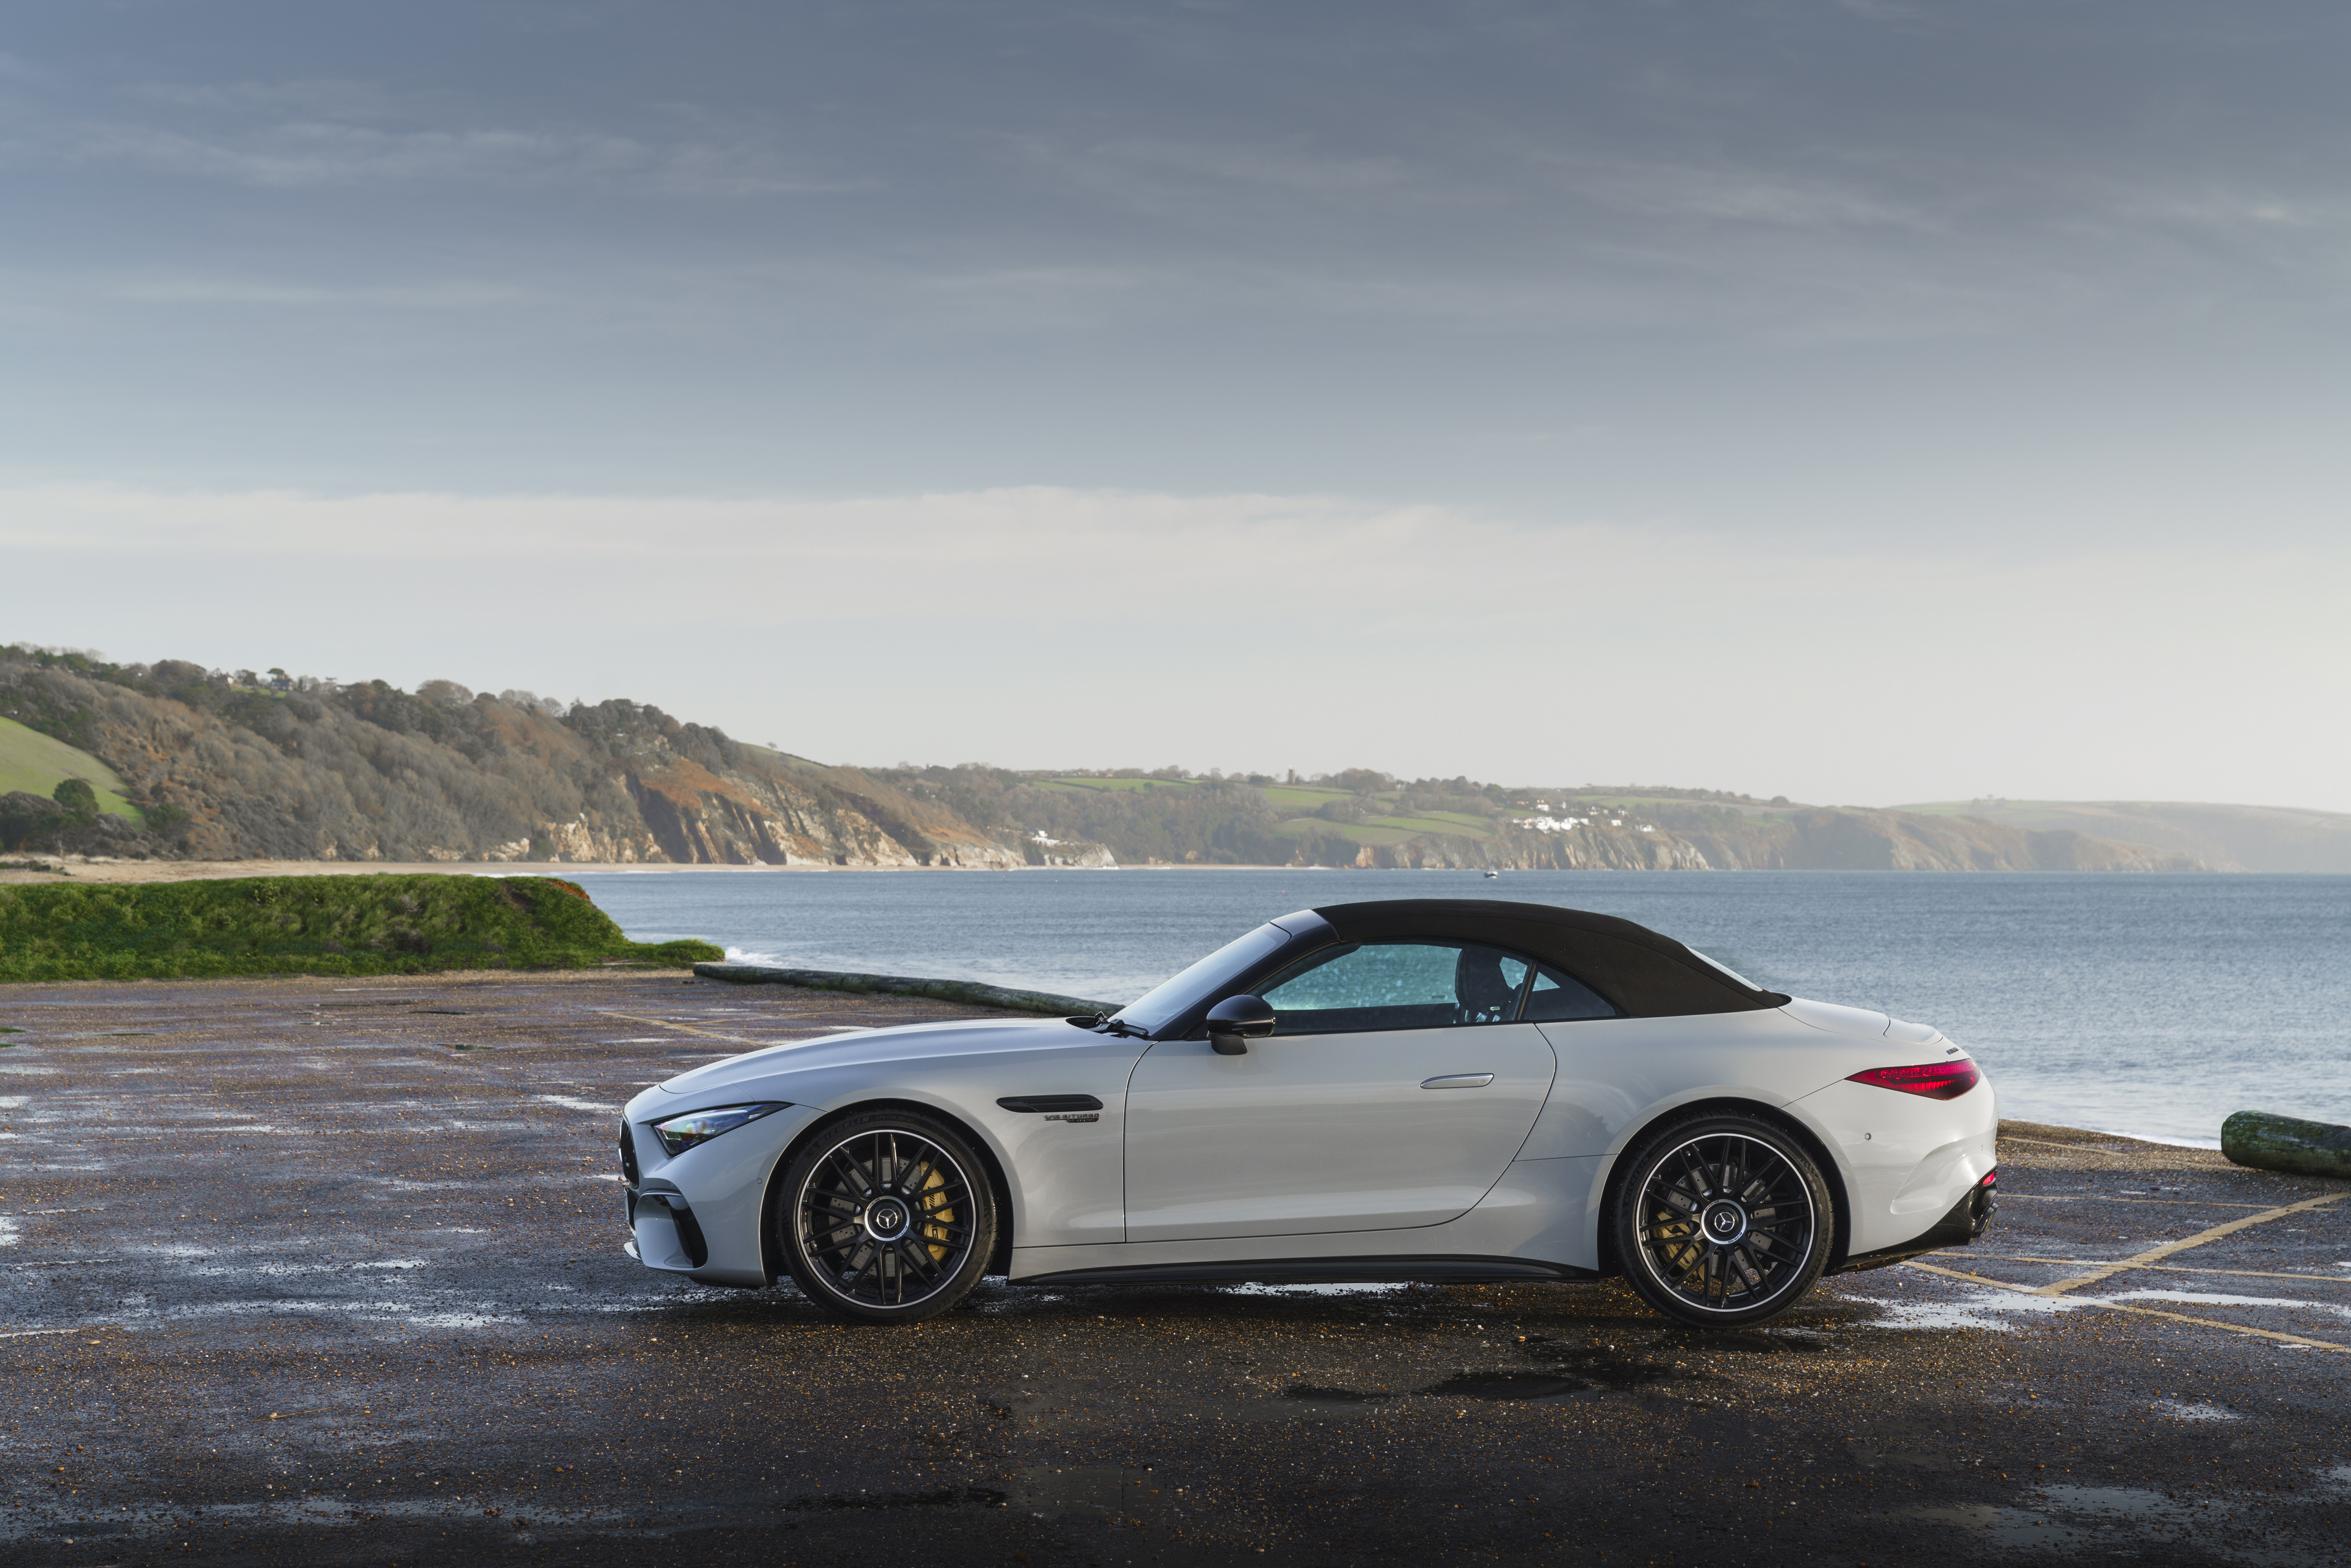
(703, 1213)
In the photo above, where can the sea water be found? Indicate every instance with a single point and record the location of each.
(2150, 1005)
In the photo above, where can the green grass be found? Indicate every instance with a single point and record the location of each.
(1302, 795)
(1115, 784)
(36, 764)
(1452, 822)
(1353, 832)
(312, 925)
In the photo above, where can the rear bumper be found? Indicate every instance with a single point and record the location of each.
(1906, 1160)
(1966, 1221)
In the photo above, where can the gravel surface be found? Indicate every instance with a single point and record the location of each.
(330, 1271)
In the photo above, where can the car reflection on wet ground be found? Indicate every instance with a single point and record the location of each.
(318, 1272)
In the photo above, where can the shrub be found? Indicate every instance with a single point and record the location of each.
(314, 926)
(77, 797)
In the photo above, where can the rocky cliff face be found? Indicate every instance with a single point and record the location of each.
(1843, 839)
(225, 771)
(1512, 850)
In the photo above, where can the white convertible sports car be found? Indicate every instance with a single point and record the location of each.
(1417, 1089)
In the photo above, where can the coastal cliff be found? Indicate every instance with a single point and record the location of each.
(218, 767)
(173, 761)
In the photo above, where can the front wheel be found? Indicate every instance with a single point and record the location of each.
(886, 1218)
(1722, 1219)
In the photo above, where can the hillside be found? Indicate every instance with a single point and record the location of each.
(1359, 817)
(187, 763)
(35, 764)
(224, 767)
(2226, 838)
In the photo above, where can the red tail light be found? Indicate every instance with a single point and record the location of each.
(1935, 1080)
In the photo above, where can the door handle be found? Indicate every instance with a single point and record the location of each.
(1458, 1081)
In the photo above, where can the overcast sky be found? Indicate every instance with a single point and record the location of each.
(1863, 401)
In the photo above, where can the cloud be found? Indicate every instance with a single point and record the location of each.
(1045, 625)
(334, 132)
(316, 152)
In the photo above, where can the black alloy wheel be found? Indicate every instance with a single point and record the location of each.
(886, 1218)
(1722, 1219)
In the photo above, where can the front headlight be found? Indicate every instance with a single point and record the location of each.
(679, 1134)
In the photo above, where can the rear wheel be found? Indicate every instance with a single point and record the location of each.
(1722, 1219)
(886, 1218)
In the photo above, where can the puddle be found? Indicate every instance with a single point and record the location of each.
(2115, 1520)
(569, 1104)
(44, 1520)
(1604, 1366)
(2178, 1411)
(1112, 1494)
(944, 1496)
(1507, 1386)
(1979, 1309)
(1743, 1342)
(1315, 1394)
(1040, 1402)
(2196, 1298)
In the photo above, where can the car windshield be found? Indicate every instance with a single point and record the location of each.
(1168, 1000)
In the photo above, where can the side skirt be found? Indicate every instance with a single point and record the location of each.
(1374, 1270)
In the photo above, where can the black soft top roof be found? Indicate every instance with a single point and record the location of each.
(1644, 973)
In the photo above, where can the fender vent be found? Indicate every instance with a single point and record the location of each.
(1051, 1102)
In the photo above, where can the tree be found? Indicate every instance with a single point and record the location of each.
(77, 797)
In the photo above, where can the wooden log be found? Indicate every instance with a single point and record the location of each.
(970, 993)
(2269, 1142)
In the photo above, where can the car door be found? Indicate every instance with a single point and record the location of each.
(1398, 1085)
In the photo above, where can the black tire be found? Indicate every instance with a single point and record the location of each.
(1722, 1219)
(886, 1217)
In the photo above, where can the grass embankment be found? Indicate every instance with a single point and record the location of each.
(36, 764)
(313, 926)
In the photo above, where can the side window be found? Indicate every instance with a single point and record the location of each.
(1396, 985)
(1561, 999)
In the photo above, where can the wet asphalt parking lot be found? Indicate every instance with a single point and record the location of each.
(327, 1271)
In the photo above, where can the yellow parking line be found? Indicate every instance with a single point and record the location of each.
(2094, 1197)
(2172, 1268)
(2108, 1270)
(2137, 1312)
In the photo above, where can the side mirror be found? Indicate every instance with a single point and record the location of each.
(1236, 1020)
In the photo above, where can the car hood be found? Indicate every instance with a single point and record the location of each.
(906, 1042)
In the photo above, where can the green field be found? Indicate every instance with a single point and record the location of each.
(1463, 819)
(1303, 797)
(313, 926)
(1453, 823)
(1353, 832)
(1115, 784)
(35, 764)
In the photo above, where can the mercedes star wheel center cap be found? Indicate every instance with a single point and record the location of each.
(886, 1220)
(1725, 1223)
